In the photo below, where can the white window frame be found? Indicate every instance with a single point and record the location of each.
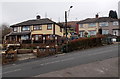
(92, 24)
(24, 37)
(105, 32)
(15, 29)
(25, 29)
(92, 31)
(115, 23)
(81, 25)
(103, 24)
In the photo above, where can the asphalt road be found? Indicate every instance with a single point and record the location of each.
(62, 61)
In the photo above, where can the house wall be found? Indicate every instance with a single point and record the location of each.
(46, 31)
(110, 27)
(86, 28)
(43, 31)
(57, 30)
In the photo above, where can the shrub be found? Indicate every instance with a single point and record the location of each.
(83, 43)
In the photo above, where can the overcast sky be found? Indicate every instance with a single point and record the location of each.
(14, 12)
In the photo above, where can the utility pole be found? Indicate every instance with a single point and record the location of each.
(66, 23)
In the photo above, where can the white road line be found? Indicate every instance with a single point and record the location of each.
(56, 61)
(11, 71)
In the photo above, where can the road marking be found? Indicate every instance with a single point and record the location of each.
(56, 61)
(11, 71)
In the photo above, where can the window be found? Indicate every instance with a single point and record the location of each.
(81, 33)
(92, 24)
(24, 37)
(49, 27)
(38, 27)
(38, 37)
(105, 31)
(25, 28)
(92, 32)
(15, 29)
(81, 25)
(103, 24)
(115, 23)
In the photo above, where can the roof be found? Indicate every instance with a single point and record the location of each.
(70, 23)
(18, 33)
(100, 19)
(34, 22)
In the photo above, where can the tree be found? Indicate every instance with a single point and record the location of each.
(5, 30)
(113, 14)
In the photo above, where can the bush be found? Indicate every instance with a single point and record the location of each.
(83, 43)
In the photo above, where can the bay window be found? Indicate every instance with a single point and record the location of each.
(24, 37)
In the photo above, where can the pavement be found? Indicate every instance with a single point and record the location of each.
(105, 68)
(25, 56)
(63, 61)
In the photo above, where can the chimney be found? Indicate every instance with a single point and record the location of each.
(38, 17)
(97, 15)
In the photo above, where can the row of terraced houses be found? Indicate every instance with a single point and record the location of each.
(45, 30)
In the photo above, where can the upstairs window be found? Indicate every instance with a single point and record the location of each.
(92, 32)
(103, 24)
(49, 27)
(38, 27)
(115, 23)
(25, 28)
(92, 24)
(15, 29)
(81, 25)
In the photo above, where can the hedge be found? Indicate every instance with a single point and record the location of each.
(83, 43)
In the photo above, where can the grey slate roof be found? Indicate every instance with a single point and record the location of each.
(94, 20)
(34, 22)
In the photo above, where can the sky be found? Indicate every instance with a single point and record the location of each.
(12, 12)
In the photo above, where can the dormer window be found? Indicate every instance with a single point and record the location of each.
(25, 28)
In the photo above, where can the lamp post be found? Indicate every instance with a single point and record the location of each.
(66, 48)
(66, 21)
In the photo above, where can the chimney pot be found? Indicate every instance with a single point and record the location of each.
(38, 17)
(96, 15)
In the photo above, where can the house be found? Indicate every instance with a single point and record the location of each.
(71, 28)
(102, 25)
(35, 31)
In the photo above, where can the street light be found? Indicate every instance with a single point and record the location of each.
(66, 20)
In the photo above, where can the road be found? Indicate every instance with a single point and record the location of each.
(61, 61)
